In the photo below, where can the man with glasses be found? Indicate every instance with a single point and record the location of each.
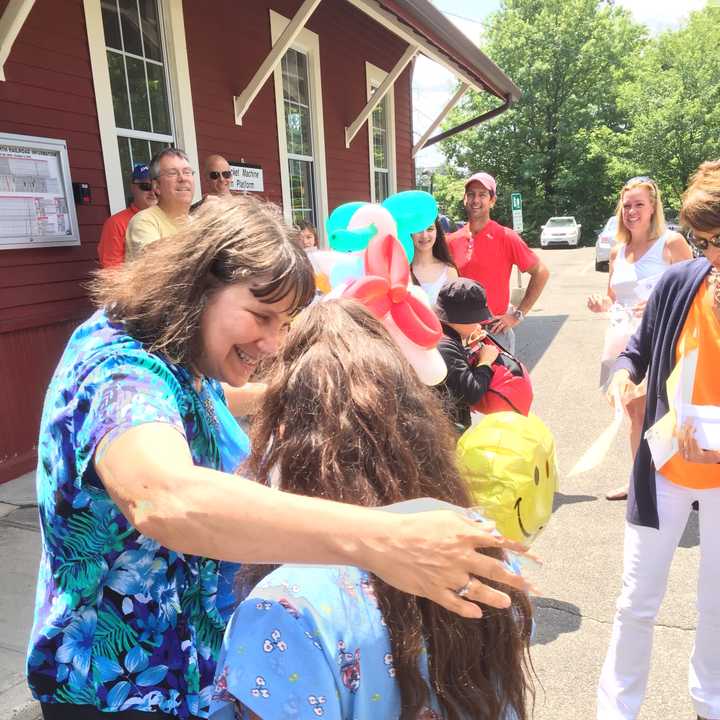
(485, 251)
(173, 181)
(111, 249)
(217, 176)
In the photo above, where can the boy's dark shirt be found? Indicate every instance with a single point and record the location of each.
(464, 384)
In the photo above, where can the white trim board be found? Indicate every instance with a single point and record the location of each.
(374, 76)
(307, 42)
(11, 22)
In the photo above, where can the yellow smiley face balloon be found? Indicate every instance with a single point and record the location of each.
(509, 463)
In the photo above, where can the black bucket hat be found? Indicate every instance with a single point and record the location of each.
(462, 301)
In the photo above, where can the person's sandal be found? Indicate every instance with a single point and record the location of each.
(620, 494)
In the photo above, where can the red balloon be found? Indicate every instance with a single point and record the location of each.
(385, 289)
(417, 321)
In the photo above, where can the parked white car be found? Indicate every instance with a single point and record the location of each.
(605, 241)
(560, 231)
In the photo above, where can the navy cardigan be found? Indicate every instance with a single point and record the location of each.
(651, 351)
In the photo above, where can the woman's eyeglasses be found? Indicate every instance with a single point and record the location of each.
(215, 175)
(702, 243)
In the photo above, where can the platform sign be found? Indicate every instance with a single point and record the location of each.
(246, 177)
(516, 206)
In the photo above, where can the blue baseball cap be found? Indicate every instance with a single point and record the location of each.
(141, 173)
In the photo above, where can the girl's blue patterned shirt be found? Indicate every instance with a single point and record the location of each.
(120, 621)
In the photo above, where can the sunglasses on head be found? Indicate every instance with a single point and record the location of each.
(215, 174)
(702, 243)
(144, 186)
(640, 179)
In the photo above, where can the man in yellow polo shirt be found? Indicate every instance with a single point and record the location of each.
(173, 180)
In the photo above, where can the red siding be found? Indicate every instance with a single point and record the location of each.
(49, 92)
(347, 39)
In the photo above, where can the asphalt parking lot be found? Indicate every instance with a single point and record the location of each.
(582, 546)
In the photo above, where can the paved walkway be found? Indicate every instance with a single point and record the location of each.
(19, 556)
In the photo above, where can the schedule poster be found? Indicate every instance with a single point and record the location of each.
(35, 209)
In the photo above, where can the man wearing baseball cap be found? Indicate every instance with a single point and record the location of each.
(485, 251)
(111, 248)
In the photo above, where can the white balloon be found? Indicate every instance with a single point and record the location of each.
(428, 364)
(374, 215)
(419, 293)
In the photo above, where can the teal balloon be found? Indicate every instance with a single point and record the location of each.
(351, 240)
(413, 210)
(346, 268)
(339, 219)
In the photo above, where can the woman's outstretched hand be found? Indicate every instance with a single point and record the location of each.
(599, 303)
(433, 554)
(621, 387)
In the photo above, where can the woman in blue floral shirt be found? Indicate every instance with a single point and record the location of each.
(136, 450)
(345, 418)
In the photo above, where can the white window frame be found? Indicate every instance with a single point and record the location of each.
(374, 77)
(176, 63)
(308, 43)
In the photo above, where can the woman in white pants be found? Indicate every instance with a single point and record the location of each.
(682, 316)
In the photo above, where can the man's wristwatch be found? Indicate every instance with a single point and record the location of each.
(518, 314)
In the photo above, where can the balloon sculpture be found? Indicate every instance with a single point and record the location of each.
(386, 291)
(350, 226)
(509, 463)
(369, 263)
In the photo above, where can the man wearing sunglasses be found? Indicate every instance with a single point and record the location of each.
(217, 178)
(173, 180)
(111, 248)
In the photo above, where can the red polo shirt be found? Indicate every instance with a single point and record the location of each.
(111, 248)
(495, 249)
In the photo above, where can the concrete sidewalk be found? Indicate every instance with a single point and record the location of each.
(19, 557)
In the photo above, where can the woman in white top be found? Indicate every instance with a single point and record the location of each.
(643, 250)
(432, 265)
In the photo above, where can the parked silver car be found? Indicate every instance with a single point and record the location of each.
(605, 241)
(560, 231)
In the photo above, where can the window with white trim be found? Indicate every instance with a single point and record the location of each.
(298, 133)
(138, 51)
(381, 131)
(301, 134)
(138, 80)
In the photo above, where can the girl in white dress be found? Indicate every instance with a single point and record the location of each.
(643, 250)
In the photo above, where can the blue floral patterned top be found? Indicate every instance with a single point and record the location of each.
(309, 642)
(120, 621)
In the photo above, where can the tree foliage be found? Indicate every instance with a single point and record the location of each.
(601, 102)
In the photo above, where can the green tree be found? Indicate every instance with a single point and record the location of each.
(570, 58)
(672, 104)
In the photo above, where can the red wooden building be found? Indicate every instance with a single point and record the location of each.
(316, 93)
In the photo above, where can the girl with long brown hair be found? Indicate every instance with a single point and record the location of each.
(432, 265)
(345, 418)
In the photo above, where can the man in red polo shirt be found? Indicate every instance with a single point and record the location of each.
(111, 249)
(485, 251)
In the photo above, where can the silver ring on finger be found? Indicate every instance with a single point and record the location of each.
(464, 591)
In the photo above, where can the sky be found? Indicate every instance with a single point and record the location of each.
(433, 85)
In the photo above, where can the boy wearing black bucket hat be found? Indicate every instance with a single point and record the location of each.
(462, 308)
